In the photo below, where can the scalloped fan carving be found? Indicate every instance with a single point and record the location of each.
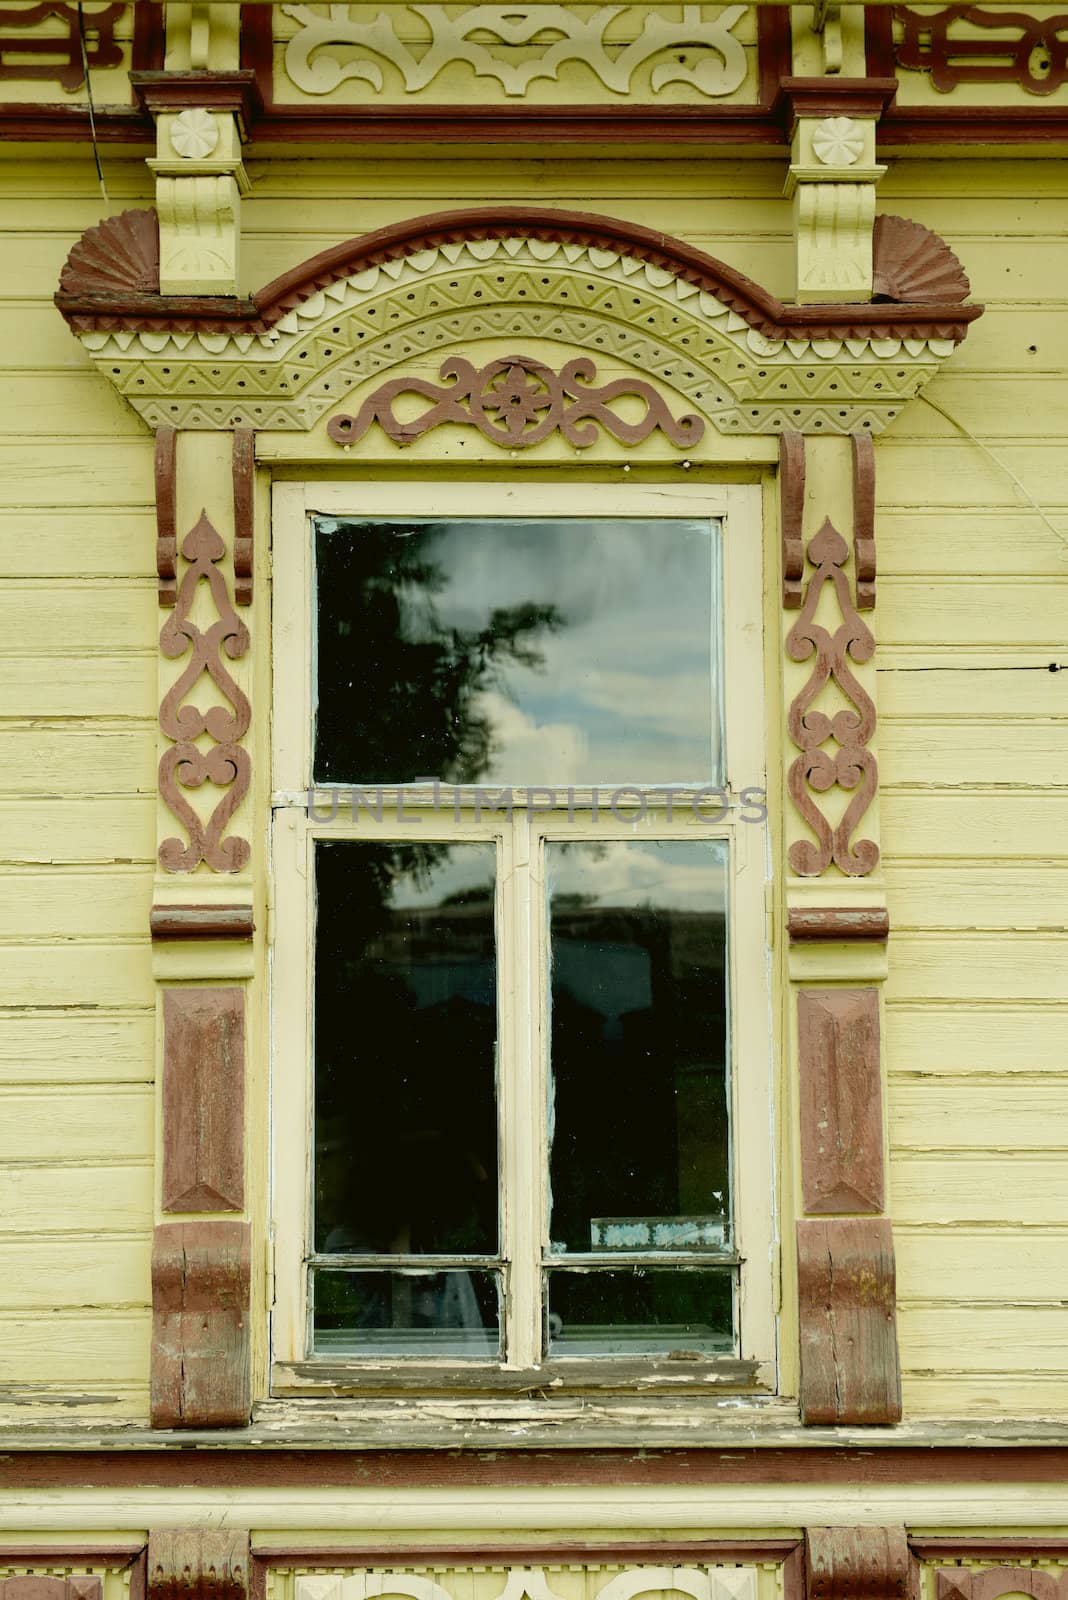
(914, 266)
(119, 257)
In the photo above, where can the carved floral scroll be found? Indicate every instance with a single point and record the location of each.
(223, 763)
(487, 39)
(849, 764)
(517, 402)
(27, 54)
(1034, 56)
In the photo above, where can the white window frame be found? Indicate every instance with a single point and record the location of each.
(521, 921)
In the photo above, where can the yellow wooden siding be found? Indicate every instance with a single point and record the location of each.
(77, 781)
(972, 599)
(975, 811)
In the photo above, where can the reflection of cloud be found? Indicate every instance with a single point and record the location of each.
(521, 746)
(674, 702)
(682, 876)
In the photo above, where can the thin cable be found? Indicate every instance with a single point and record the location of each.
(92, 108)
(1028, 496)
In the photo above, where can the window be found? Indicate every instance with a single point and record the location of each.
(521, 1026)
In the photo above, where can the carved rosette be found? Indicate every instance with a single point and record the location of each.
(206, 746)
(848, 765)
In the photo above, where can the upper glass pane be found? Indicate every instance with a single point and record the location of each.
(405, 1049)
(543, 652)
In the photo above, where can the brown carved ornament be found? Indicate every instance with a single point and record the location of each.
(1036, 60)
(517, 402)
(118, 258)
(912, 265)
(850, 765)
(55, 57)
(224, 763)
(963, 1583)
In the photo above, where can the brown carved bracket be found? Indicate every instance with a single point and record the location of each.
(864, 519)
(851, 765)
(846, 1304)
(54, 57)
(244, 468)
(847, 1563)
(1036, 59)
(791, 509)
(225, 764)
(517, 402)
(201, 1272)
(197, 1564)
(166, 461)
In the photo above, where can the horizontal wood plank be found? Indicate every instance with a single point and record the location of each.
(996, 825)
(91, 544)
(77, 1045)
(73, 1123)
(957, 611)
(931, 897)
(38, 832)
(76, 1200)
(54, 904)
(88, 1274)
(958, 1040)
(999, 1265)
(1010, 1187)
(75, 1348)
(93, 760)
(77, 973)
(980, 1115)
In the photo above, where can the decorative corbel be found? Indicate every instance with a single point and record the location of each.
(856, 1563)
(197, 1564)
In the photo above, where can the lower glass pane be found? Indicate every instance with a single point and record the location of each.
(369, 1312)
(640, 1311)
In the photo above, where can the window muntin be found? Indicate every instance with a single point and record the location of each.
(539, 1286)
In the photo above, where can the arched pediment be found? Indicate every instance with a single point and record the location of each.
(401, 299)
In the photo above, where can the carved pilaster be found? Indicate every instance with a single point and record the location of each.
(199, 183)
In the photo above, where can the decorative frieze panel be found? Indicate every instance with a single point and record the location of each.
(682, 320)
(30, 1585)
(492, 52)
(984, 1581)
(43, 43)
(574, 1582)
(963, 44)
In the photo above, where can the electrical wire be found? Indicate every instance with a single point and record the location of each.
(92, 108)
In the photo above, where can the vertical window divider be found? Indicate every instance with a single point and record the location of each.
(520, 1136)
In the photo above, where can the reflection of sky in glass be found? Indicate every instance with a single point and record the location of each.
(627, 691)
(686, 875)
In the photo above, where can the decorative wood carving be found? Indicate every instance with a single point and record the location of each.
(203, 1099)
(167, 515)
(116, 260)
(816, 923)
(201, 1273)
(485, 38)
(912, 264)
(517, 402)
(849, 1361)
(540, 1582)
(841, 1100)
(964, 1583)
(864, 519)
(851, 765)
(225, 764)
(57, 58)
(197, 1564)
(791, 508)
(244, 463)
(857, 1563)
(201, 922)
(39, 1586)
(1036, 59)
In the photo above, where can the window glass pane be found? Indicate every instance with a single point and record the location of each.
(409, 1313)
(405, 1045)
(643, 1311)
(542, 652)
(638, 1046)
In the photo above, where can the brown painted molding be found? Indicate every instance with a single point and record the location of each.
(38, 1586)
(502, 397)
(225, 764)
(850, 765)
(791, 509)
(958, 1583)
(87, 308)
(244, 470)
(166, 472)
(857, 1563)
(911, 265)
(811, 924)
(201, 922)
(214, 91)
(203, 1099)
(833, 97)
(978, 125)
(197, 1564)
(864, 555)
(201, 1273)
(840, 1100)
(846, 1287)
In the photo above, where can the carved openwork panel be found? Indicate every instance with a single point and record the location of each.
(608, 1581)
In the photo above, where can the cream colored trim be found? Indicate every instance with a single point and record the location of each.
(520, 848)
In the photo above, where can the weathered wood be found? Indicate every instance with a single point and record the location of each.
(201, 922)
(849, 1360)
(203, 1099)
(864, 518)
(244, 468)
(856, 1563)
(791, 508)
(201, 1273)
(166, 461)
(840, 1100)
(820, 923)
(960, 1583)
(197, 1564)
(38, 1586)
